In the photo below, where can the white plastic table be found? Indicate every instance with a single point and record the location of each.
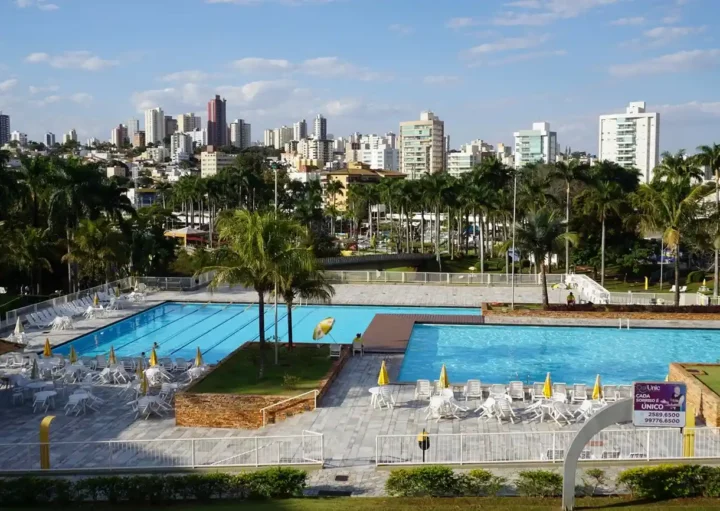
(49, 394)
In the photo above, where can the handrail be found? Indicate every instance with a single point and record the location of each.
(263, 410)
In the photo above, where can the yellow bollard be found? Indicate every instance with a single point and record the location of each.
(646, 283)
(45, 442)
(689, 433)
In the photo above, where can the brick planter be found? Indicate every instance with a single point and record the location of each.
(704, 401)
(602, 312)
(243, 411)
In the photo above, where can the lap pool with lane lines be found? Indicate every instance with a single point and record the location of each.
(219, 329)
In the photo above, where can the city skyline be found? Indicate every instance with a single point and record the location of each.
(496, 69)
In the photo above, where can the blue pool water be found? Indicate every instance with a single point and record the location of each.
(498, 354)
(219, 329)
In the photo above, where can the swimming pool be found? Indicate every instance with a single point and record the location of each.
(498, 354)
(219, 329)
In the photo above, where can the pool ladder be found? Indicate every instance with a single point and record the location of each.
(620, 323)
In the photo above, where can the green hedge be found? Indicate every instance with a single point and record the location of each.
(672, 481)
(271, 483)
(695, 276)
(440, 481)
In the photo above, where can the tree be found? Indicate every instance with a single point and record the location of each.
(601, 199)
(569, 172)
(98, 249)
(332, 190)
(29, 251)
(540, 235)
(710, 156)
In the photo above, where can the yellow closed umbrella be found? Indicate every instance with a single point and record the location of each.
(47, 350)
(34, 371)
(444, 382)
(153, 358)
(112, 360)
(96, 300)
(323, 328)
(383, 378)
(547, 388)
(73, 355)
(597, 389)
(198, 358)
(143, 384)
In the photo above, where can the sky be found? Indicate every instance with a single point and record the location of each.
(485, 67)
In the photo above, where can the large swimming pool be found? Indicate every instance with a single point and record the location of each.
(498, 354)
(218, 329)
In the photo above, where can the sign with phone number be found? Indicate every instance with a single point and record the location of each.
(659, 404)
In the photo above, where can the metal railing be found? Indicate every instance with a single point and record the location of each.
(631, 298)
(438, 278)
(284, 401)
(304, 449)
(588, 289)
(536, 447)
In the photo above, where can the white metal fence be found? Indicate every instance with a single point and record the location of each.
(447, 279)
(631, 298)
(304, 449)
(528, 447)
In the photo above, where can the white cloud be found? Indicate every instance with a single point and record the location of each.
(441, 79)
(520, 57)
(671, 63)
(638, 20)
(711, 108)
(7, 85)
(72, 60)
(254, 64)
(334, 67)
(401, 29)
(186, 76)
(456, 23)
(667, 33)
(526, 4)
(82, 98)
(509, 43)
(48, 100)
(38, 89)
(672, 18)
(549, 11)
(43, 5)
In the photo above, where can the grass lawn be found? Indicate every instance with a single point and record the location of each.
(407, 269)
(639, 287)
(711, 379)
(426, 504)
(239, 375)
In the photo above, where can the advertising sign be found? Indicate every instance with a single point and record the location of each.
(659, 404)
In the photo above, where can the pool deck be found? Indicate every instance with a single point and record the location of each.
(390, 333)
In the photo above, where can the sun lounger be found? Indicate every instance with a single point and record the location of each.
(498, 391)
(335, 350)
(624, 392)
(536, 392)
(610, 393)
(473, 389)
(504, 410)
(423, 389)
(516, 390)
(579, 392)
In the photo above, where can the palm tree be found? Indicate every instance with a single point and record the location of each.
(332, 190)
(36, 176)
(258, 247)
(436, 188)
(28, 251)
(569, 172)
(98, 249)
(303, 279)
(710, 156)
(540, 235)
(601, 199)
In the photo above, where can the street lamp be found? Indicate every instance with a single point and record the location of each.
(275, 171)
(512, 306)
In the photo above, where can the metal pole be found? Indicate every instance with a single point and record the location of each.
(661, 261)
(276, 285)
(512, 306)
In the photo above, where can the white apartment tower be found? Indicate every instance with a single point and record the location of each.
(19, 137)
(320, 127)
(631, 139)
(154, 125)
(70, 136)
(281, 136)
(422, 146)
(300, 130)
(188, 122)
(133, 126)
(269, 138)
(538, 145)
(118, 135)
(240, 134)
(49, 139)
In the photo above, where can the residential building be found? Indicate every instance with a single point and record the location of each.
(154, 125)
(133, 126)
(339, 145)
(90, 142)
(157, 154)
(4, 129)
(139, 139)
(538, 145)
(281, 136)
(198, 136)
(320, 127)
(269, 138)
(118, 135)
(49, 139)
(19, 137)
(504, 155)
(422, 146)
(383, 157)
(70, 136)
(631, 139)
(171, 125)
(391, 139)
(188, 122)
(240, 134)
(217, 122)
(460, 162)
(181, 147)
(300, 130)
(355, 173)
(212, 161)
(116, 171)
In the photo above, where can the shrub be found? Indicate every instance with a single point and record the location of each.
(539, 483)
(290, 381)
(432, 481)
(275, 483)
(669, 481)
(592, 480)
(695, 276)
(482, 483)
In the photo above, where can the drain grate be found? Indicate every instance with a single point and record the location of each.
(342, 478)
(334, 493)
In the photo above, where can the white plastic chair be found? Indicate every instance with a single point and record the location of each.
(357, 347)
(584, 411)
(335, 350)
(473, 389)
(487, 409)
(560, 411)
(75, 404)
(610, 393)
(516, 390)
(385, 397)
(423, 389)
(497, 391)
(536, 392)
(624, 392)
(579, 393)
(181, 364)
(504, 410)
(41, 401)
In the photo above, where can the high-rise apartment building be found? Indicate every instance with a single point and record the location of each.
(269, 138)
(422, 146)
(217, 122)
(212, 161)
(139, 139)
(460, 162)
(154, 125)
(631, 139)
(188, 122)
(19, 137)
(118, 135)
(181, 146)
(300, 130)
(133, 126)
(4, 129)
(171, 125)
(70, 136)
(198, 136)
(281, 136)
(49, 139)
(320, 127)
(240, 134)
(538, 145)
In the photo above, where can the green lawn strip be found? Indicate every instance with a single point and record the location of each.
(407, 269)
(423, 504)
(239, 375)
(711, 379)
(619, 286)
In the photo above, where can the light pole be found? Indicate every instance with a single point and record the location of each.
(275, 169)
(512, 305)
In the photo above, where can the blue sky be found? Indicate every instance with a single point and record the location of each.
(486, 67)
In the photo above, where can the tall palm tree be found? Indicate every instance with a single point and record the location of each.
(36, 177)
(710, 156)
(569, 172)
(258, 247)
(332, 190)
(540, 235)
(601, 199)
(29, 250)
(98, 249)
(436, 188)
